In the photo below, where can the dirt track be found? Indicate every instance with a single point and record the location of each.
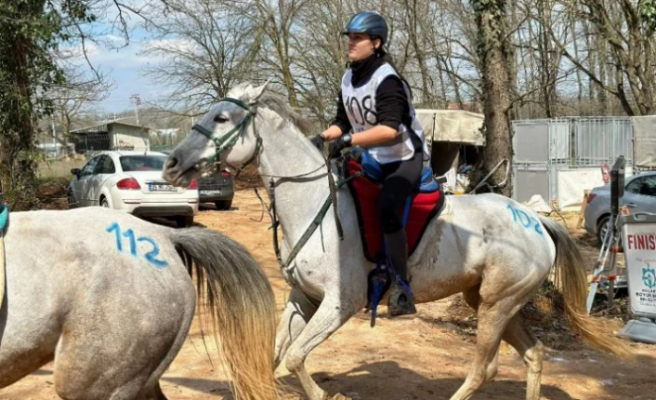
(421, 357)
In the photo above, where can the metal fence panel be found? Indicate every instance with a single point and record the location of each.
(531, 141)
(602, 140)
(559, 136)
(545, 148)
(529, 182)
(644, 145)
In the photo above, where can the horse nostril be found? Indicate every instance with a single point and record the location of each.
(171, 162)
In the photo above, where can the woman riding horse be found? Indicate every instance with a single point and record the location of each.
(376, 105)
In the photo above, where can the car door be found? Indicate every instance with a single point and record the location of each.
(103, 170)
(80, 186)
(640, 195)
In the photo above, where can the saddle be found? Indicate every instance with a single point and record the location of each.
(426, 202)
(365, 177)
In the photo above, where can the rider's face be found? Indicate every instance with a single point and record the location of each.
(361, 46)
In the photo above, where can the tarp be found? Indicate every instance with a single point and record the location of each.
(452, 126)
(644, 141)
(572, 184)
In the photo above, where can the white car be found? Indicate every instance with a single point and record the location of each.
(131, 181)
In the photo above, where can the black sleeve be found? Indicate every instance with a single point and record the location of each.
(391, 103)
(341, 119)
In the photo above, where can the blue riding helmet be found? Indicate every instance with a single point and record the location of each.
(369, 22)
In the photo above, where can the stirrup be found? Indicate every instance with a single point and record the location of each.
(400, 301)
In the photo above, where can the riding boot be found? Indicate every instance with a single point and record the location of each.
(401, 302)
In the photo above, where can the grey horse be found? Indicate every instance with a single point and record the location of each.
(110, 298)
(492, 249)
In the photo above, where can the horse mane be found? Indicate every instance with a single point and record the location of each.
(279, 105)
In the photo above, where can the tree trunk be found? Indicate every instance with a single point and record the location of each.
(494, 52)
(413, 32)
(579, 78)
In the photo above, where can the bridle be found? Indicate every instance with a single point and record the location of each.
(228, 140)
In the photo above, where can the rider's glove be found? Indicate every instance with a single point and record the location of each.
(340, 144)
(317, 142)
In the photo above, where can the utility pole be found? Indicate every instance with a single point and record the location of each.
(136, 100)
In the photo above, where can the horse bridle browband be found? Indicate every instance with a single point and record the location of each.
(228, 141)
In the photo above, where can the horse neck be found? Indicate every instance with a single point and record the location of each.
(285, 153)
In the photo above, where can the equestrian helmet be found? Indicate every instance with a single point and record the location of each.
(369, 22)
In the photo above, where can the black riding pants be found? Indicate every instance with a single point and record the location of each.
(399, 180)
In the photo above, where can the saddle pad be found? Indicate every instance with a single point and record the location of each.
(365, 193)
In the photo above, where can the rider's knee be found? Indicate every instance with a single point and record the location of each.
(387, 214)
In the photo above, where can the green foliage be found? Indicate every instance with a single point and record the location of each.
(648, 13)
(30, 32)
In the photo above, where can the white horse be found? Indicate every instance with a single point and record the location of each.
(111, 298)
(491, 248)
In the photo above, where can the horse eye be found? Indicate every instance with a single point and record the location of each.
(220, 119)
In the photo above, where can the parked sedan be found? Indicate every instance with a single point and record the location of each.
(215, 187)
(132, 181)
(639, 196)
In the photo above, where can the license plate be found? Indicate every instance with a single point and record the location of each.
(154, 187)
(211, 191)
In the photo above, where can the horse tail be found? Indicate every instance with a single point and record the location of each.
(572, 280)
(231, 284)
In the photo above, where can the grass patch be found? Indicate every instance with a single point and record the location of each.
(57, 169)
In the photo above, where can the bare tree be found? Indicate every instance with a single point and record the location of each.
(80, 92)
(630, 50)
(494, 48)
(205, 51)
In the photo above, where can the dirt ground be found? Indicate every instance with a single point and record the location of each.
(420, 357)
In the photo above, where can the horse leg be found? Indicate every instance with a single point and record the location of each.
(152, 389)
(330, 316)
(473, 298)
(154, 393)
(532, 352)
(295, 317)
(118, 364)
(492, 321)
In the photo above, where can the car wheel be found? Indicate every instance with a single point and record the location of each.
(223, 204)
(104, 203)
(602, 228)
(70, 199)
(184, 222)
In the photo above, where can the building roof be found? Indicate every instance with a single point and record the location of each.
(104, 126)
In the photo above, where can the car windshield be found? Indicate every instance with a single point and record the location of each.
(142, 163)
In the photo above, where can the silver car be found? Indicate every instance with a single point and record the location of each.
(639, 196)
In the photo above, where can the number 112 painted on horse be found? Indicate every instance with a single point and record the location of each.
(479, 245)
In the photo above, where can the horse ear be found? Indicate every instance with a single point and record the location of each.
(254, 94)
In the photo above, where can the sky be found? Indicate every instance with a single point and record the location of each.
(125, 68)
(123, 65)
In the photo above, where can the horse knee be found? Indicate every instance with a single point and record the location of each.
(294, 362)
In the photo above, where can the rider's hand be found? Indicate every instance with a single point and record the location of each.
(340, 144)
(317, 142)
